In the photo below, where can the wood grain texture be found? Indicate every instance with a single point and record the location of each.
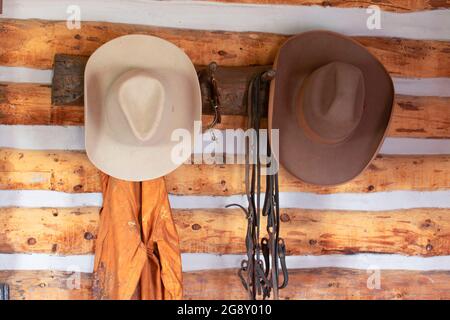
(33, 43)
(26, 103)
(71, 171)
(309, 284)
(326, 284)
(424, 232)
(421, 117)
(30, 104)
(62, 231)
(385, 173)
(72, 231)
(387, 5)
(68, 80)
(47, 285)
(68, 171)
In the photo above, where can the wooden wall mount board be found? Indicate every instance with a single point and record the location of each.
(33, 43)
(68, 80)
(387, 5)
(73, 231)
(71, 171)
(310, 284)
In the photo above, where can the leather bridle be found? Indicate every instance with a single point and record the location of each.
(259, 272)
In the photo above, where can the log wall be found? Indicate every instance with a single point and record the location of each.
(407, 231)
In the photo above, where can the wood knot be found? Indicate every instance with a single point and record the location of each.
(312, 242)
(196, 226)
(429, 247)
(399, 295)
(79, 170)
(333, 285)
(222, 53)
(31, 241)
(78, 188)
(285, 217)
(370, 188)
(88, 236)
(427, 224)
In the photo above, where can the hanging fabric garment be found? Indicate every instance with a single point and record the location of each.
(137, 254)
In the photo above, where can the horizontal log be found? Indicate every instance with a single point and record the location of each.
(71, 171)
(387, 5)
(63, 231)
(30, 104)
(47, 285)
(420, 117)
(424, 232)
(33, 43)
(309, 284)
(328, 284)
(385, 173)
(69, 231)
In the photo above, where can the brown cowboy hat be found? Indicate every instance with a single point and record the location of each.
(331, 100)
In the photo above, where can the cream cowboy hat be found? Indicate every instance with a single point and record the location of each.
(138, 90)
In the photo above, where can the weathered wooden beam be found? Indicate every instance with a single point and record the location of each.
(71, 171)
(68, 80)
(387, 5)
(71, 231)
(33, 43)
(232, 83)
(30, 104)
(309, 284)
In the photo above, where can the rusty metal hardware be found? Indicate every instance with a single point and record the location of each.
(214, 98)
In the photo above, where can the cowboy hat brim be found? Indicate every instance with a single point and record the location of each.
(139, 162)
(307, 159)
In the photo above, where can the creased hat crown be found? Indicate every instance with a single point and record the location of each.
(331, 102)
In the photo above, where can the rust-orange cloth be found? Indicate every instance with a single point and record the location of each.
(137, 254)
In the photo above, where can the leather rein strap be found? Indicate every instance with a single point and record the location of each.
(259, 272)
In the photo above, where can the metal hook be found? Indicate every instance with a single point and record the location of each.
(214, 99)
